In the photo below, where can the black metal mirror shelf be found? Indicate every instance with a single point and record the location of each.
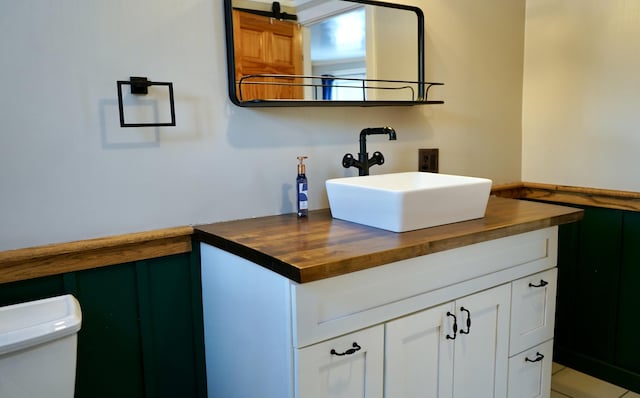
(325, 53)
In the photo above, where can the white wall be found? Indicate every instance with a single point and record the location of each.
(581, 118)
(69, 172)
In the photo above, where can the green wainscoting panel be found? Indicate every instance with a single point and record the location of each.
(595, 287)
(34, 289)
(568, 243)
(142, 333)
(628, 347)
(598, 303)
(165, 293)
(109, 343)
(198, 322)
(588, 281)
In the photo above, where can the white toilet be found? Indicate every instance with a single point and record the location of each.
(38, 343)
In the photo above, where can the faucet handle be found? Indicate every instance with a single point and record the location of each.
(377, 158)
(348, 161)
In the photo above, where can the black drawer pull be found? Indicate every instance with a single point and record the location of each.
(350, 351)
(542, 283)
(468, 321)
(538, 358)
(455, 327)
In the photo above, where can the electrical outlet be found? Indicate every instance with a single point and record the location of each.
(428, 160)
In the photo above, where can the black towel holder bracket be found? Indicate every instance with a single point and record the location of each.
(140, 86)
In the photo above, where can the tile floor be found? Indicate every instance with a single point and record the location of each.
(569, 383)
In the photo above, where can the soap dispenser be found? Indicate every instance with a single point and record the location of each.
(301, 188)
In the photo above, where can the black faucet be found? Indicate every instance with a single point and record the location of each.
(364, 162)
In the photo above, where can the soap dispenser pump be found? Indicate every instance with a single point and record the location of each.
(301, 188)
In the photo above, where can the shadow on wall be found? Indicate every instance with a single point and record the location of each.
(189, 122)
(293, 127)
(115, 137)
(287, 203)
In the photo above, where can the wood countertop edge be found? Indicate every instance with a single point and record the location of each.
(305, 257)
(358, 263)
(250, 254)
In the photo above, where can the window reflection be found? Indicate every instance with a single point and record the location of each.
(339, 37)
(338, 49)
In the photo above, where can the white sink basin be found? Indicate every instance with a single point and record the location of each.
(402, 202)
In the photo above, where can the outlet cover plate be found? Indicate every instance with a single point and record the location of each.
(428, 160)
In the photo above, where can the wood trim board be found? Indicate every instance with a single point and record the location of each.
(34, 262)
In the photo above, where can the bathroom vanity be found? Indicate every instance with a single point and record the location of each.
(320, 307)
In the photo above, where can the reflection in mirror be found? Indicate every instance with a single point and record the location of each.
(330, 52)
(338, 50)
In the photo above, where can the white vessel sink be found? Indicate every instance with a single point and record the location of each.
(402, 202)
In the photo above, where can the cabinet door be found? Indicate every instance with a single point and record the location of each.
(533, 307)
(530, 372)
(344, 367)
(482, 349)
(263, 44)
(418, 355)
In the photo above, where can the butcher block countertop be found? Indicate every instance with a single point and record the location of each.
(319, 247)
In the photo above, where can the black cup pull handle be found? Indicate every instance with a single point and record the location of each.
(468, 321)
(355, 348)
(538, 358)
(455, 327)
(542, 283)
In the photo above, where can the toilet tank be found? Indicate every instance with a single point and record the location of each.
(38, 342)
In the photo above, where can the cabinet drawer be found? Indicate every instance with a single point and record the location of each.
(330, 307)
(344, 367)
(533, 306)
(530, 372)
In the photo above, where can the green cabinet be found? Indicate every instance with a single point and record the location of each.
(597, 317)
(141, 330)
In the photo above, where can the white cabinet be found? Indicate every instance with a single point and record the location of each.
(418, 354)
(454, 350)
(344, 367)
(532, 319)
(533, 310)
(480, 364)
(530, 372)
(269, 337)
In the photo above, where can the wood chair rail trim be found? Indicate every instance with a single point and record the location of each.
(34, 262)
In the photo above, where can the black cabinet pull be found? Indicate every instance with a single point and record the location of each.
(468, 321)
(350, 351)
(538, 358)
(542, 283)
(455, 327)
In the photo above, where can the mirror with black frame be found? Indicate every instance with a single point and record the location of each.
(325, 53)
